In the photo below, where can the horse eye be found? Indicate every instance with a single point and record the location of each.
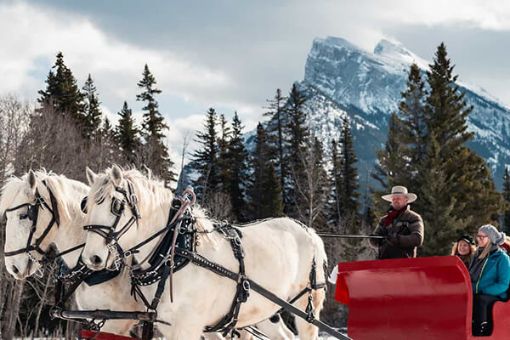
(83, 205)
(23, 216)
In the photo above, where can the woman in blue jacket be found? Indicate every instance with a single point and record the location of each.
(490, 276)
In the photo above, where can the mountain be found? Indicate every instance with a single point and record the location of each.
(343, 79)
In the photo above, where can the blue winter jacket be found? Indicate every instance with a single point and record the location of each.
(495, 276)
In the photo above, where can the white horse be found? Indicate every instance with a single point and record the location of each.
(278, 255)
(21, 194)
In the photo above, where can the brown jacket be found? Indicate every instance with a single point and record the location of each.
(407, 234)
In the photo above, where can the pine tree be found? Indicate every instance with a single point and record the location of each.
(276, 134)
(506, 197)
(436, 204)
(413, 125)
(349, 174)
(62, 94)
(388, 170)
(92, 111)
(153, 125)
(334, 207)
(264, 192)
(238, 179)
(454, 180)
(297, 132)
(128, 135)
(205, 158)
(224, 160)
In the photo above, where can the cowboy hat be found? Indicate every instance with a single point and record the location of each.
(400, 190)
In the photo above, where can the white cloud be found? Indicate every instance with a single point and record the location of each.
(38, 33)
(490, 14)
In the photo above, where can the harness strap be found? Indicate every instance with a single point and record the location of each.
(33, 214)
(229, 321)
(222, 271)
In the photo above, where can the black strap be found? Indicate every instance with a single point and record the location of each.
(33, 214)
(229, 321)
(222, 271)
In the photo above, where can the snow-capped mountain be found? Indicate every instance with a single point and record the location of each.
(342, 79)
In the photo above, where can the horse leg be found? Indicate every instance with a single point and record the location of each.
(306, 330)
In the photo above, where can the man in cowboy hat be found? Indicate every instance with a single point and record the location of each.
(401, 227)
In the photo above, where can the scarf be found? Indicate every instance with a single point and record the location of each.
(392, 215)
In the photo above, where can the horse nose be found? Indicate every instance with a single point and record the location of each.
(15, 269)
(96, 260)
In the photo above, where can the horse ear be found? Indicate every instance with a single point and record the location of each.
(117, 175)
(31, 180)
(91, 176)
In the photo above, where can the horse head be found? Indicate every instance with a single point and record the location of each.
(33, 211)
(116, 203)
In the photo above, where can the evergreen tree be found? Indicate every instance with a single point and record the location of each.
(506, 197)
(156, 152)
(205, 158)
(127, 135)
(334, 207)
(62, 94)
(388, 170)
(276, 133)
(298, 133)
(238, 180)
(224, 160)
(413, 125)
(265, 192)
(108, 148)
(349, 174)
(462, 183)
(92, 111)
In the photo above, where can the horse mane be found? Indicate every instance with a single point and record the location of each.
(150, 191)
(66, 207)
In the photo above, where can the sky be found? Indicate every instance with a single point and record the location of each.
(229, 54)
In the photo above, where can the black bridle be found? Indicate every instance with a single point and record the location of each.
(109, 232)
(33, 214)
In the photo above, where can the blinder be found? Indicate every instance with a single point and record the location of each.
(32, 215)
(109, 232)
(83, 204)
(117, 207)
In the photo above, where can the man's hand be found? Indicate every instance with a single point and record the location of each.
(392, 239)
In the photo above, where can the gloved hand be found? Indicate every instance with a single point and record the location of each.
(392, 239)
(383, 231)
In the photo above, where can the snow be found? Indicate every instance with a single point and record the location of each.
(367, 86)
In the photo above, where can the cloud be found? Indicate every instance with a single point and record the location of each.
(231, 55)
(116, 66)
(489, 15)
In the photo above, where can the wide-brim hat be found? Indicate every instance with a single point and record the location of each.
(401, 191)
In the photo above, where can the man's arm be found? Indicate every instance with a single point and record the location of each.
(415, 238)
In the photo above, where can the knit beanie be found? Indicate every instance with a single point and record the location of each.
(494, 235)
